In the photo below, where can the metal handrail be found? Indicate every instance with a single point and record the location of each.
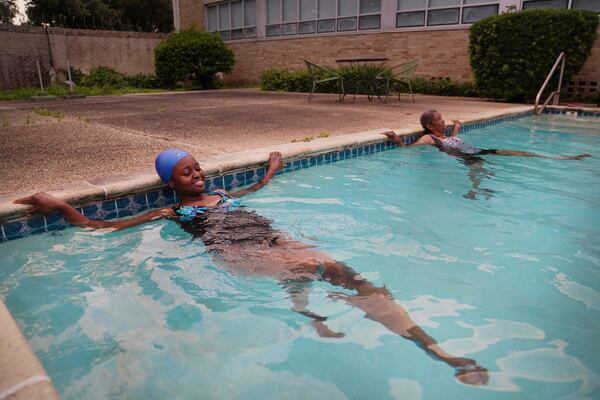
(556, 94)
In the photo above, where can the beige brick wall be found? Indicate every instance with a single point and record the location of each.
(440, 53)
(191, 13)
(21, 47)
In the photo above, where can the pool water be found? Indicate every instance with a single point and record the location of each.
(506, 272)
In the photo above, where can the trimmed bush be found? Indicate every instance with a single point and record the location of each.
(511, 54)
(361, 80)
(192, 55)
(103, 76)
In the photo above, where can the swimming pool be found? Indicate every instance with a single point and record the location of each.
(508, 276)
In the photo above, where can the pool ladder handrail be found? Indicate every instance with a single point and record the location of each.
(556, 94)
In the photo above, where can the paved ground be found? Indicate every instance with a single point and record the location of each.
(104, 136)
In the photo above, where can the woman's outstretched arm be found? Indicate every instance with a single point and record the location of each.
(275, 164)
(423, 140)
(45, 204)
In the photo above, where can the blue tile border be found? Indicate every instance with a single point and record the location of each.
(165, 197)
(572, 112)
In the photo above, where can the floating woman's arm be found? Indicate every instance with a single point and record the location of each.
(275, 164)
(423, 140)
(45, 204)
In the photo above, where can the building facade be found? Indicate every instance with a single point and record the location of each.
(281, 33)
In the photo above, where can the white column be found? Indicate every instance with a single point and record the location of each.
(176, 15)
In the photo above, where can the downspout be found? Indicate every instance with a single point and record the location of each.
(176, 15)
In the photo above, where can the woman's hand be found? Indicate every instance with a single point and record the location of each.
(41, 202)
(393, 137)
(275, 161)
(457, 126)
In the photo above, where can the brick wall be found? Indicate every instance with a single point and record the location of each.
(21, 47)
(191, 13)
(440, 53)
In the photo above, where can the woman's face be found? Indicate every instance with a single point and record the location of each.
(187, 178)
(437, 124)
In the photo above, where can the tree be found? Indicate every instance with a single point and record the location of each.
(8, 11)
(131, 15)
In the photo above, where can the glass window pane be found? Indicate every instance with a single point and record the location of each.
(327, 8)
(474, 14)
(236, 14)
(308, 27)
(224, 16)
(308, 10)
(212, 18)
(237, 34)
(273, 11)
(369, 22)
(443, 17)
(443, 3)
(545, 4)
(290, 29)
(250, 32)
(592, 5)
(347, 8)
(249, 12)
(411, 4)
(225, 35)
(346, 24)
(290, 10)
(326, 25)
(273, 30)
(370, 6)
(416, 18)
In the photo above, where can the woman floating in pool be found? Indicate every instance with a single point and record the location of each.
(242, 240)
(434, 126)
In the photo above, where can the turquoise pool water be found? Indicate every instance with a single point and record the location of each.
(507, 273)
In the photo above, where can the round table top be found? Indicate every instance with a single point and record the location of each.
(361, 59)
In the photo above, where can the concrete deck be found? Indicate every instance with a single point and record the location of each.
(99, 137)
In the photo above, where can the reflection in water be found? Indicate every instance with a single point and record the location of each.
(477, 172)
(493, 332)
(549, 364)
(577, 291)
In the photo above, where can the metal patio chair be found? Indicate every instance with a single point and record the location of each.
(401, 73)
(320, 74)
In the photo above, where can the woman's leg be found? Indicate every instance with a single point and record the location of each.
(528, 154)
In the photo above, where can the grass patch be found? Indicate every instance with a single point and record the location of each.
(28, 93)
(49, 113)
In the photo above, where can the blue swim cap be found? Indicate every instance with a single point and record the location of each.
(165, 163)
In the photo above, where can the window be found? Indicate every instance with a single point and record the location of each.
(411, 13)
(293, 17)
(527, 5)
(591, 5)
(233, 20)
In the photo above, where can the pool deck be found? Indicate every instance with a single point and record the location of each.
(100, 137)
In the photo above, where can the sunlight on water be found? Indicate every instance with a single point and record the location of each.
(497, 261)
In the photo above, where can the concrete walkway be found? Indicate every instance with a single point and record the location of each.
(105, 136)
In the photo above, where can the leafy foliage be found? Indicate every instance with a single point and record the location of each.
(8, 11)
(192, 55)
(511, 54)
(360, 80)
(108, 77)
(123, 15)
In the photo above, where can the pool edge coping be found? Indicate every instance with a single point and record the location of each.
(82, 192)
(23, 375)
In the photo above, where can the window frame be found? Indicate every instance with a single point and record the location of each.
(426, 9)
(335, 19)
(226, 34)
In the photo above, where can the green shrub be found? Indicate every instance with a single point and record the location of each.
(104, 76)
(192, 55)
(443, 87)
(142, 81)
(360, 80)
(511, 54)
